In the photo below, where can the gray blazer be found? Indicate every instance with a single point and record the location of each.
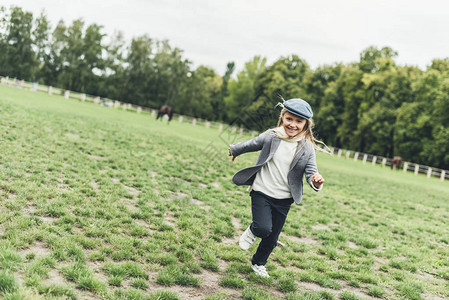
(304, 163)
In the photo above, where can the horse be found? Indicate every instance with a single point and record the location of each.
(165, 110)
(396, 162)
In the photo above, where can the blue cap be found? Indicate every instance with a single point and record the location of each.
(299, 107)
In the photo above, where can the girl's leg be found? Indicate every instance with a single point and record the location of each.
(279, 211)
(261, 210)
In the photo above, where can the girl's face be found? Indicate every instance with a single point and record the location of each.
(293, 124)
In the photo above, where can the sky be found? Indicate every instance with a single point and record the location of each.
(215, 32)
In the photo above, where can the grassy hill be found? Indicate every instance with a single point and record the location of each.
(97, 202)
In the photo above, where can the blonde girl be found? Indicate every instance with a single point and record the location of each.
(276, 180)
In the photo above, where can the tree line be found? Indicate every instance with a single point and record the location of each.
(372, 105)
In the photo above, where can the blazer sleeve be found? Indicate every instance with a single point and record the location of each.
(311, 168)
(252, 145)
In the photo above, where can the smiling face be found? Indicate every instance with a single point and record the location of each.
(293, 125)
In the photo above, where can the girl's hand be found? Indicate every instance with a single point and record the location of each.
(233, 157)
(317, 180)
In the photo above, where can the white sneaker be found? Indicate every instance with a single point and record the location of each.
(247, 239)
(261, 271)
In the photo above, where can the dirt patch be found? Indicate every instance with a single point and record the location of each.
(73, 137)
(29, 210)
(202, 185)
(128, 203)
(216, 185)
(209, 279)
(54, 277)
(237, 225)
(178, 195)
(170, 220)
(38, 248)
(95, 157)
(432, 297)
(236, 222)
(355, 291)
(310, 286)
(94, 185)
(200, 204)
(320, 227)
(303, 240)
(379, 262)
(352, 245)
(425, 277)
(48, 219)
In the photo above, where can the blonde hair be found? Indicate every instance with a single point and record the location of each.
(307, 132)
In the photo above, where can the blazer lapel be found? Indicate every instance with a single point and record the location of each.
(302, 146)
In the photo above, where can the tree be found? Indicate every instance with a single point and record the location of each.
(201, 90)
(171, 71)
(139, 71)
(369, 58)
(242, 91)
(94, 63)
(113, 78)
(219, 102)
(52, 61)
(317, 81)
(19, 53)
(41, 32)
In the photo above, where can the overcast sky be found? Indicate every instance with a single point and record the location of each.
(214, 32)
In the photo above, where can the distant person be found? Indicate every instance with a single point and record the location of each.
(276, 180)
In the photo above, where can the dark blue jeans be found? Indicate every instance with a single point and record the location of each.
(269, 216)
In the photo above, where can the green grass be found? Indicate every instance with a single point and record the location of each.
(105, 203)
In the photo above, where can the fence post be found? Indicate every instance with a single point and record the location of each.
(83, 97)
(374, 160)
(405, 166)
(332, 150)
(348, 154)
(443, 175)
(416, 169)
(180, 119)
(365, 156)
(339, 153)
(384, 162)
(67, 94)
(153, 112)
(194, 122)
(50, 90)
(356, 156)
(207, 124)
(139, 110)
(97, 100)
(220, 127)
(429, 172)
(253, 134)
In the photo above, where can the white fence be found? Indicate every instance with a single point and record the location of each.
(385, 161)
(348, 154)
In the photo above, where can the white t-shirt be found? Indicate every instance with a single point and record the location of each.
(272, 177)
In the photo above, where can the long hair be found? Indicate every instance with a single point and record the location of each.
(307, 132)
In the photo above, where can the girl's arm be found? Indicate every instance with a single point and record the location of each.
(314, 179)
(252, 145)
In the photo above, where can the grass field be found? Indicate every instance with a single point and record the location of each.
(98, 202)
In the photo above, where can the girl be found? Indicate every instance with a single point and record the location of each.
(287, 154)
